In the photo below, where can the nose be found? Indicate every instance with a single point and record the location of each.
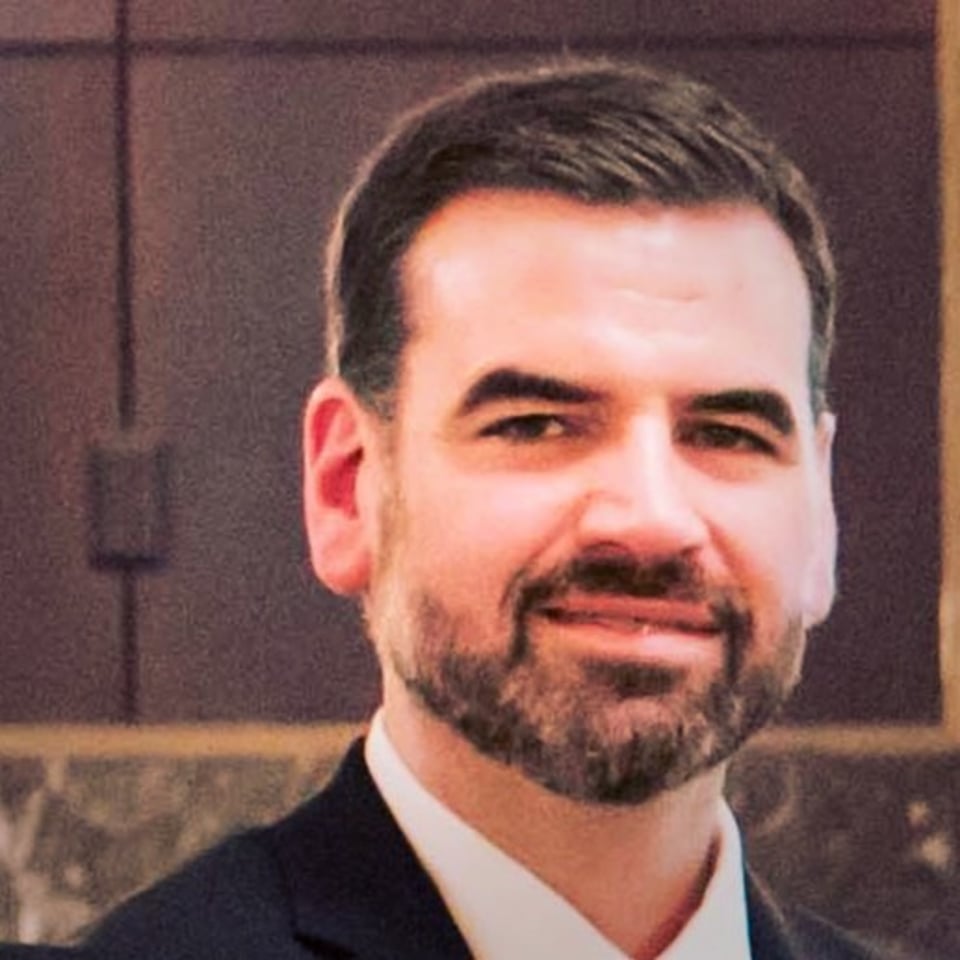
(639, 495)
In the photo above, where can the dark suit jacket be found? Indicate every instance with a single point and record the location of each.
(337, 879)
(17, 951)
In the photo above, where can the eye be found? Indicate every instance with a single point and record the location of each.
(527, 428)
(716, 435)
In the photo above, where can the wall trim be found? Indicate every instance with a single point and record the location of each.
(948, 63)
(331, 739)
(176, 740)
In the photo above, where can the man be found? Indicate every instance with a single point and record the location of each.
(573, 456)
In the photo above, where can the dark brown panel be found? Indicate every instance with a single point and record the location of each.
(330, 20)
(44, 20)
(783, 20)
(59, 657)
(538, 20)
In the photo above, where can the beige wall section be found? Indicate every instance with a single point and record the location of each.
(309, 744)
(949, 66)
(306, 743)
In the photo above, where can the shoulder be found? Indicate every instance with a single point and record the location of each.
(14, 951)
(820, 938)
(780, 932)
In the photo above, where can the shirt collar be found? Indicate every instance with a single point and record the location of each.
(505, 911)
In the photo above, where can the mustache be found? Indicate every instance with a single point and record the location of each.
(672, 578)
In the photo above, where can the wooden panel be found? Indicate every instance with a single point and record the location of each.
(59, 634)
(537, 21)
(949, 63)
(304, 20)
(785, 20)
(57, 20)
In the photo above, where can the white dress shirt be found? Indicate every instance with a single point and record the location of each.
(505, 912)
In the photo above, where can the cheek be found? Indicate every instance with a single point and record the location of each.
(764, 538)
(470, 534)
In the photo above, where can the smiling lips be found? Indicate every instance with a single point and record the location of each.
(633, 615)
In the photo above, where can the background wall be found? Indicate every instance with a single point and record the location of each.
(169, 172)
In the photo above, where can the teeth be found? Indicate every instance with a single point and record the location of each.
(638, 624)
(643, 627)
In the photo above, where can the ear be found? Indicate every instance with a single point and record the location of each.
(337, 442)
(820, 586)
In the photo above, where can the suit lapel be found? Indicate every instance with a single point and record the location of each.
(355, 882)
(770, 936)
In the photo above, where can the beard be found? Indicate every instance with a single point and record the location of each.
(590, 729)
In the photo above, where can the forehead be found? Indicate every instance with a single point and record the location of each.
(506, 276)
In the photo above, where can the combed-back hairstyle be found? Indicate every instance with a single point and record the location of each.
(597, 132)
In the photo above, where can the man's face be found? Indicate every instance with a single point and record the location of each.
(605, 521)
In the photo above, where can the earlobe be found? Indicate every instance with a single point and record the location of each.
(335, 446)
(821, 577)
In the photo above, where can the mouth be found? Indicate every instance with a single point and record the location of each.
(633, 615)
(608, 627)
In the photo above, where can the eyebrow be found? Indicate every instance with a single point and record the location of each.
(507, 383)
(765, 404)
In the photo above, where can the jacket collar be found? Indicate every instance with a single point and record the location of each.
(356, 884)
(770, 931)
(354, 880)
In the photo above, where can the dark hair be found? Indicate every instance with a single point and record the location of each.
(598, 132)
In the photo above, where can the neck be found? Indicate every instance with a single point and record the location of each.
(636, 872)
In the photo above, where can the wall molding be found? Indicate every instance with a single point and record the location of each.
(330, 739)
(948, 62)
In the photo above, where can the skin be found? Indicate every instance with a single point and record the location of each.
(650, 326)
